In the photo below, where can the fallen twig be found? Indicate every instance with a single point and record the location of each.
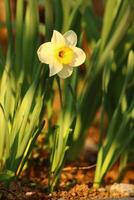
(78, 168)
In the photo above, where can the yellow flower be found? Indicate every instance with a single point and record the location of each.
(61, 54)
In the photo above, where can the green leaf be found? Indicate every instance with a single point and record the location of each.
(106, 72)
(9, 29)
(30, 39)
(49, 18)
(130, 66)
(58, 15)
(4, 138)
(109, 16)
(6, 176)
(19, 35)
(91, 24)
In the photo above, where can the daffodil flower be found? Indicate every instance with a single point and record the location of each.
(61, 54)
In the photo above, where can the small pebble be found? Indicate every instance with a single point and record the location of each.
(29, 193)
(126, 190)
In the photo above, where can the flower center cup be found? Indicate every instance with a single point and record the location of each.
(64, 55)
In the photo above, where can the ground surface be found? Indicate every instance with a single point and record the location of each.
(75, 185)
(76, 179)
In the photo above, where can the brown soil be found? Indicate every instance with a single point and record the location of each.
(76, 184)
(76, 180)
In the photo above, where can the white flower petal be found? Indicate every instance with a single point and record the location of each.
(71, 38)
(54, 67)
(45, 52)
(65, 72)
(57, 38)
(79, 57)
